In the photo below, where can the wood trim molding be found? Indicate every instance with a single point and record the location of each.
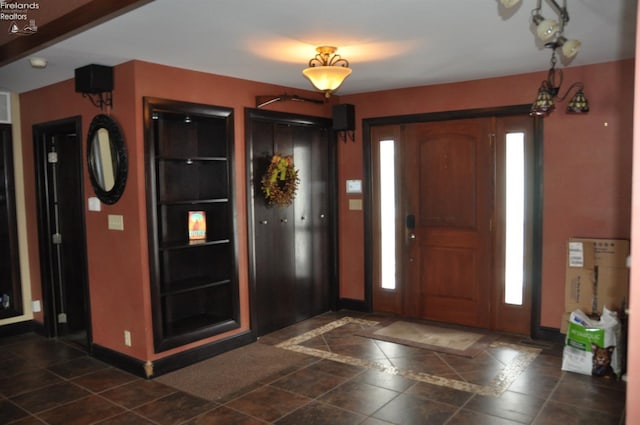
(153, 369)
(77, 20)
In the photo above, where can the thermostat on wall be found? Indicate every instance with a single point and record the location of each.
(354, 186)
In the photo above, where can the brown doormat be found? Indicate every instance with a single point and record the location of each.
(236, 371)
(432, 337)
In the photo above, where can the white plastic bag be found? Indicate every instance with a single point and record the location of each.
(592, 347)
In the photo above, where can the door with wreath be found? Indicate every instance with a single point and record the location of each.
(290, 219)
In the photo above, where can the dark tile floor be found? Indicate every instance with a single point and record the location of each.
(349, 380)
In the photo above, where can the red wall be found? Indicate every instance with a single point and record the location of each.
(118, 260)
(587, 163)
(587, 175)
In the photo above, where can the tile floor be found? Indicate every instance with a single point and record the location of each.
(347, 380)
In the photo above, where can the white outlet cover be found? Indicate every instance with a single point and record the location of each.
(94, 204)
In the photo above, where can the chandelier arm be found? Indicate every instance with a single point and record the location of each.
(324, 60)
(317, 60)
(577, 85)
(537, 9)
(554, 74)
(561, 11)
(337, 60)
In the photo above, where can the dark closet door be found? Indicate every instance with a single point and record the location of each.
(311, 222)
(273, 237)
(291, 245)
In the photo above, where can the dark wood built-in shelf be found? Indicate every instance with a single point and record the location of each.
(194, 284)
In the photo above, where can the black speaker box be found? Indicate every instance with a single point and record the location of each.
(94, 79)
(344, 117)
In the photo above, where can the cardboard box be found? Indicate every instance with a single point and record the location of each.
(596, 276)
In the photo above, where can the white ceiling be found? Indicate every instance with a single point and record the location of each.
(389, 43)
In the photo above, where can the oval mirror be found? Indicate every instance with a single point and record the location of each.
(107, 159)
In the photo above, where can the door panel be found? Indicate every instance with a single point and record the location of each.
(388, 300)
(509, 317)
(291, 258)
(61, 230)
(68, 215)
(449, 189)
(447, 181)
(273, 234)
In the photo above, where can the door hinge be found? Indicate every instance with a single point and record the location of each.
(56, 239)
(52, 157)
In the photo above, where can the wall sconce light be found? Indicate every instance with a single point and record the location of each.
(327, 70)
(548, 92)
(551, 31)
(96, 83)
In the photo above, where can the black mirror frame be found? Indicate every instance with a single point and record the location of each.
(116, 138)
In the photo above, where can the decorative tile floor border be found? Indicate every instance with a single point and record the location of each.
(495, 388)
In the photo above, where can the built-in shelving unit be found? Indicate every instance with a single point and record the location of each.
(189, 161)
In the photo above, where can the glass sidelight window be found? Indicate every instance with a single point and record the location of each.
(387, 215)
(515, 214)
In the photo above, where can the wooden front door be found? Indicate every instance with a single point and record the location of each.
(440, 211)
(447, 203)
(443, 209)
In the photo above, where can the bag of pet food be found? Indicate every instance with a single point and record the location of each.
(592, 347)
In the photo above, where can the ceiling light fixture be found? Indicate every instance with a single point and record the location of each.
(38, 62)
(551, 31)
(327, 70)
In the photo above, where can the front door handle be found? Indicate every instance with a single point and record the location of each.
(411, 221)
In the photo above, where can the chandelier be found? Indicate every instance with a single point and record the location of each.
(551, 32)
(327, 70)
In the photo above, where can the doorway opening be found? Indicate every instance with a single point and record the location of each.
(61, 229)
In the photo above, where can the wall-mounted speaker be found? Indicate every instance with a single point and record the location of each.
(344, 117)
(94, 79)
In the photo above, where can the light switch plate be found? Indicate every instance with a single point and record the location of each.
(354, 186)
(116, 222)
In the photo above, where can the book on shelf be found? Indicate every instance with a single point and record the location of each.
(197, 223)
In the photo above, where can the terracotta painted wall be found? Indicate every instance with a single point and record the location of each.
(118, 260)
(587, 163)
